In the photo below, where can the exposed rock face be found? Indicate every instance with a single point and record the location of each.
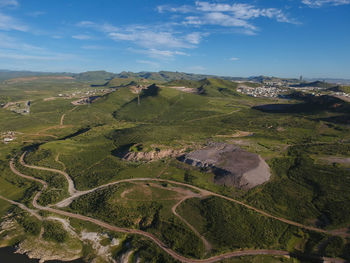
(231, 165)
(151, 156)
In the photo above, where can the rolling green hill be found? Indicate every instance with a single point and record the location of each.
(301, 146)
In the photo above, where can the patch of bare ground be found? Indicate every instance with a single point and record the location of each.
(50, 99)
(236, 134)
(240, 142)
(46, 250)
(206, 243)
(57, 159)
(124, 258)
(344, 98)
(152, 155)
(231, 165)
(185, 89)
(256, 176)
(103, 252)
(198, 191)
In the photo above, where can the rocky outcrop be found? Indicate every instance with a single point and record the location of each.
(45, 251)
(231, 165)
(151, 155)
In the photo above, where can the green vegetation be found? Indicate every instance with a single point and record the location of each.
(304, 191)
(229, 226)
(30, 224)
(89, 144)
(334, 247)
(146, 208)
(54, 232)
(345, 89)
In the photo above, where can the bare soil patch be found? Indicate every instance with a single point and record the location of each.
(236, 134)
(231, 165)
(185, 89)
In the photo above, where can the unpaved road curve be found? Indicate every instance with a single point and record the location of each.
(140, 232)
(71, 187)
(22, 206)
(76, 194)
(155, 239)
(64, 115)
(206, 243)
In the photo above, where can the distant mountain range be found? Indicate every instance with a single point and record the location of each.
(100, 77)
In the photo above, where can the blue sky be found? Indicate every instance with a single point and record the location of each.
(285, 38)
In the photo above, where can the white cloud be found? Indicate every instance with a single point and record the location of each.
(36, 13)
(8, 23)
(238, 15)
(11, 43)
(320, 3)
(93, 47)
(221, 19)
(158, 41)
(150, 63)
(105, 27)
(82, 37)
(195, 37)
(153, 39)
(20, 56)
(234, 59)
(243, 11)
(12, 3)
(169, 8)
(15, 49)
(159, 53)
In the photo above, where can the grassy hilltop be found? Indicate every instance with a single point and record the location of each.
(88, 141)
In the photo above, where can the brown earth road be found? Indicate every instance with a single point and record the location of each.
(140, 232)
(63, 115)
(57, 159)
(202, 192)
(206, 243)
(22, 206)
(71, 187)
(62, 119)
(155, 239)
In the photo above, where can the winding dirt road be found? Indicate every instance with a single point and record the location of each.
(169, 251)
(75, 194)
(140, 232)
(206, 243)
(64, 115)
(22, 206)
(71, 187)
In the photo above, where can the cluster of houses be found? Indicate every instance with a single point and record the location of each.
(21, 107)
(342, 94)
(88, 93)
(8, 136)
(264, 91)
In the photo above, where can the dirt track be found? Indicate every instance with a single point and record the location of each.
(152, 237)
(32, 212)
(63, 116)
(202, 192)
(206, 243)
(71, 187)
(140, 232)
